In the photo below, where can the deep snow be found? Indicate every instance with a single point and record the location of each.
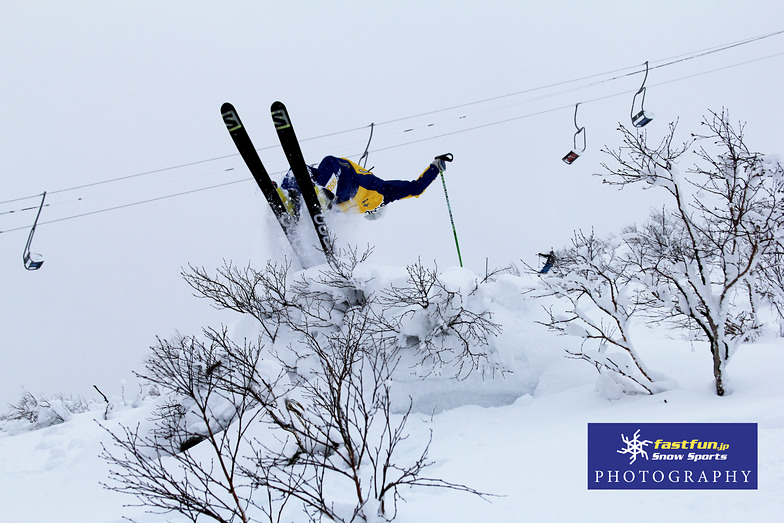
(95, 91)
(521, 437)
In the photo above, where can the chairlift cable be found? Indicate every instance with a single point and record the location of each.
(411, 142)
(712, 50)
(210, 173)
(126, 177)
(568, 106)
(663, 63)
(23, 209)
(498, 122)
(672, 61)
(717, 69)
(131, 204)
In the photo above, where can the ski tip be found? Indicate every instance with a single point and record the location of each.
(226, 107)
(276, 105)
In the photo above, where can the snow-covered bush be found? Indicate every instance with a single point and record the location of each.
(770, 286)
(596, 300)
(707, 264)
(440, 324)
(31, 413)
(300, 417)
(706, 258)
(437, 319)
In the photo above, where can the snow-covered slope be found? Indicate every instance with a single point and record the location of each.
(520, 435)
(113, 108)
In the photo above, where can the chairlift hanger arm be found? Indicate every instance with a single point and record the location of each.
(366, 155)
(576, 151)
(580, 131)
(645, 78)
(639, 118)
(31, 260)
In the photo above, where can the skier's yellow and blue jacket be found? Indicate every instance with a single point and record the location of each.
(356, 189)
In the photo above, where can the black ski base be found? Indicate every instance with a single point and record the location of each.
(290, 144)
(288, 221)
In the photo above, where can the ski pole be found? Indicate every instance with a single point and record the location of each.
(448, 158)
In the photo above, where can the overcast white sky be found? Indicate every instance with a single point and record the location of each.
(94, 91)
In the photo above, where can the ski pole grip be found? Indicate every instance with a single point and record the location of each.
(448, 157)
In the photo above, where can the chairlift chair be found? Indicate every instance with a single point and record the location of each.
(639, 117)
(33, 261)
(576, 151)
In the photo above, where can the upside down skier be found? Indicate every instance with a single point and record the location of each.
(346, 186)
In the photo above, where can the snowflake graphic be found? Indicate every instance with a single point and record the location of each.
(634, 446)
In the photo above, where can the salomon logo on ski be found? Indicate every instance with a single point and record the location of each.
(231, 120)
(281, 119)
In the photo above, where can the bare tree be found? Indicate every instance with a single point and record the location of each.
(342, 428)
(205, 404)
(262, 294)
(261, 429)
(771, 285)
(703, 255)
(32, 413)
(601, 295)
(450, 333)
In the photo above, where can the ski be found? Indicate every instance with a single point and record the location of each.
(245, 147)
(288, 140)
